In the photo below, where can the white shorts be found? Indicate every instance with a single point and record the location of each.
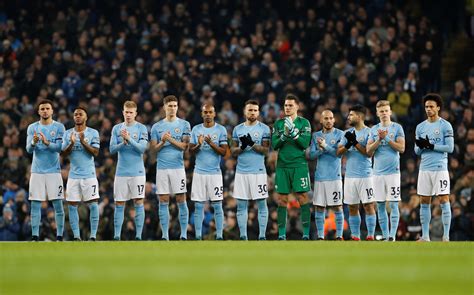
(83, 189)
(433, 183)
(250, 186)
(46, 187)
(207, 187)
(327, 193)
(129, 187)
(387, 187)
(358, 190)
(170, 181)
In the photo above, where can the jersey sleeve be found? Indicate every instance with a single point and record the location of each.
(95, 141)
(193, 135)
(187, 129)
(154, 133)
(448, 133)
(417, 135)
(266, 133)
(400, 132)
(66, 140)
(56, 143)
(223, 136)
(235, 137)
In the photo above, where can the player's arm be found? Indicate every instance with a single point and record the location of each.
(195, 143)
(343, 147)
(263, 148)
(31, 140)
(67, 145)
(278, 137)
(314, 150)
(372, 145)
(182, 145)
(362, 149)
(115, 146)
(235, 149)
(418, 150)
(448, 147)
(398, 144)
(92, 148)
(220, 149)
(304, 137)
(140, 145)
(57, 143)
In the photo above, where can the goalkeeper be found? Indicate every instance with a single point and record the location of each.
(291, 136)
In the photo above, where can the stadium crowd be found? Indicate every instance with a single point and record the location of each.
(331, 54)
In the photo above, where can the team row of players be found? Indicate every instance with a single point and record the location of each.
(291, 137)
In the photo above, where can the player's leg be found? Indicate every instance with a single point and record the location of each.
(90, 194)
(36, 196)
(242, 217)
(55, 191)
(215, 188)
(138, 195)
(122, 194)
(333, 193)
(73, 197)
(425, 191)
(380, 192)
(301, 185)
(178, 188)
(282, 187)
(183, 215)
(442, 190)
(366, 193)
(319, 202)
(242, 193)
(163, 188)
(352, 199)
(262, 218)
(74, 220)
(164, 215)
(394, 197)
(93, 218)
(198, 196)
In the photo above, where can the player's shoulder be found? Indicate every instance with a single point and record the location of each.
(59, 125)
(197, 127)
(349, 129)
(303, 120)
(375, 127)
(338, 132)
(182, 121)
(263, 125)
(445, 123)
(221, 128)
(69, 130)
(91, 130)
(157, 124)
(239, 126)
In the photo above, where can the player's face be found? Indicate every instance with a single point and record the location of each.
(291, 107)
(431, 108)
(45, 111)
(171, 108)
(384, 113)
(208, 114)
(129, 114)
(80, 117)
(327, 120)
(353, 118)
(251, 112)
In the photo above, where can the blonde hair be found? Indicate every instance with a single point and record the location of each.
(130, 105)
(382, 103)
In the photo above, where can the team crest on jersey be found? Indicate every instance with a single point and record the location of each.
(52, 133)
(86, 139)
(256, 135)
(436, 131)
(333, 141)
(391, 135)
(177, 130)
(135, 135)
(214, 136)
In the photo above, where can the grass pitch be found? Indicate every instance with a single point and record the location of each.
(234, 267)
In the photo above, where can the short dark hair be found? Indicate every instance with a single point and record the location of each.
(169, 98)
(44, 101)
(359, 109)
(291, 96)
(252, 101)
(433, 97)
(81, 108)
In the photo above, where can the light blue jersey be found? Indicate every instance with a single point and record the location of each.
(82, 162)
(207, 160)
(440, 133)
(130, 156)
(169, 156)
(358, 165)
(249, 161)
(45, 158)
(328, 166)
(386, 159)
